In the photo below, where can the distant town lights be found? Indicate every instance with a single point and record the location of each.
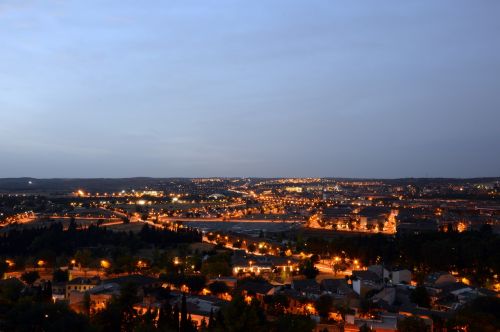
(105, 264)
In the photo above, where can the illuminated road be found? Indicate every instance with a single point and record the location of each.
(174, 219)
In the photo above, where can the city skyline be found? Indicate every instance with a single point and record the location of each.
(281, 89)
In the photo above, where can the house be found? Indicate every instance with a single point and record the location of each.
(394, 275)
(337, 287)
(199, 307)
(298, 304)
(372, 216)
(437, 278)
(81, 284)
(229, 281)
(260, 264)
(307, 287)
(414, 226)
(398, 276)
(137, 279)
(386, 322)
(378, 269)
(58, 291)
(257, 288)
(99, 296)
(387, 295)
(337, 215)
(365, 281)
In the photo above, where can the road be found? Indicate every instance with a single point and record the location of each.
(173, 219)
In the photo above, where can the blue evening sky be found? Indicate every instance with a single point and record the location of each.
(249, 88)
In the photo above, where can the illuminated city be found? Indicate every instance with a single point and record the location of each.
(321, 249)
(249, 166)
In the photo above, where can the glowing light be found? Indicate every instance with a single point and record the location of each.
(142, 264)
(105, 264)
(462, 227)
(40, 263)
(310, 308)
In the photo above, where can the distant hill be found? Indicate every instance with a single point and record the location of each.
(57, 185)
(33, 185)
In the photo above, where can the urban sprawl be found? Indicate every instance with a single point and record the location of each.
(249, 254)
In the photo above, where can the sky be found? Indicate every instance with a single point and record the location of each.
(373, 89)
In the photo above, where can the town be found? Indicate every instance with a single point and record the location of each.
(262, 254)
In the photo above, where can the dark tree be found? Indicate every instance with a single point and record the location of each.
(481, 314)
(218, 287)
(251, 247)
(308, 269)
(60, 275)
(294, 323)
(420, 297)
(165, 317)
(175, 320)
(365, 328)
(46, 293)
(238, 316)
(3, 268)
(211, 319)
(412, 324)
(30, 277)
(184, 318)
(324, 305)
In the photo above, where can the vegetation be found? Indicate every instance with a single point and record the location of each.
(324, 305)
(308, 269)
(412, 324)
(475, 254)
(420, 297)
(481, 314)
(57, 241)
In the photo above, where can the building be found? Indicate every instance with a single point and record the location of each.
(365, 281)
(257, 289)
(307, 287)
(336, 287)
(99, 296)
(393, 275)
(81, 284)
(437, 278)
